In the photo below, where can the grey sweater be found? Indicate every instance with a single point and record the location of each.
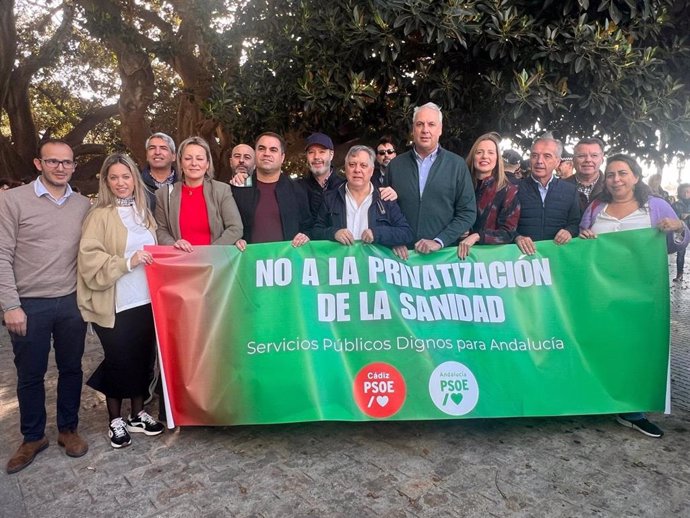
(38, 245)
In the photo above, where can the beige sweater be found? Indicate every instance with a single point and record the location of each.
(101, 263)
(38, 245)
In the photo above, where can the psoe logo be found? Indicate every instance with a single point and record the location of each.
(453, 388)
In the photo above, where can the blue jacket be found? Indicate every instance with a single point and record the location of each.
(542, 221)
(386, 220)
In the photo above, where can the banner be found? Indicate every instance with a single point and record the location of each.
(278, 334)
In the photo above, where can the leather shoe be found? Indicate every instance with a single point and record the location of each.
(25, 455)
(74, 445)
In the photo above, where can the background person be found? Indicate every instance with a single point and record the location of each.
(113, 294)
(626, 204)
(199, 210)
(682, 208)
(498, 206)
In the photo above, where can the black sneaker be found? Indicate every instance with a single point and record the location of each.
(119, 438)
(144, 423)
(643, 426)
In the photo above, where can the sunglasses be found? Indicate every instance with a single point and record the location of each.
(386, 152)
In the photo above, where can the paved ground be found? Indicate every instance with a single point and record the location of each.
(580, 466)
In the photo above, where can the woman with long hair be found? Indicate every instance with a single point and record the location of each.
(113, 294)
(626, 203)
(498, 207)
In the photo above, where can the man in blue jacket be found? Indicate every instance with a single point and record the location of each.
(355, 210)
(549, 206)
(434, 187)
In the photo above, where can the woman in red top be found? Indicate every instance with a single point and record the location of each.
(498, 208)
(197, 210)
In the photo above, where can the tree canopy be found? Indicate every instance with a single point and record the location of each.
(105, 73)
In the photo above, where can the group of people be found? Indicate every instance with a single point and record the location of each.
(64, 263)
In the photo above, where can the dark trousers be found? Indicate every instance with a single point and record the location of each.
(680, 262)
(57, 318)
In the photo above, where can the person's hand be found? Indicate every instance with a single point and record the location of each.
(241, 245)
(670, 225)
(526, 245)
(402, 252)
(562, 237)
(465, 245)
(184, 245)
(140, 257)
(426, 246)
(587, 234)
(300, 239)
(344, 237)
(15, 320)
(239, 179)
(368, 236)
(388, 194)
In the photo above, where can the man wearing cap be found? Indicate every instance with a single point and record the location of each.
(320, 177)
(511, 165)
(385, 152)
(274, 207)
(433, 186)
(565, 168)
(160, 156)
(588, 159)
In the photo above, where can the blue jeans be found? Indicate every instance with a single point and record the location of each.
(60, 319)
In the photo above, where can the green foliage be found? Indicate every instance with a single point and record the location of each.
(614, 68)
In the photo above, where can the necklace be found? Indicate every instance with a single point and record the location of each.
(125, 202)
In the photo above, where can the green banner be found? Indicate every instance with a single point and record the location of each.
(327, 332)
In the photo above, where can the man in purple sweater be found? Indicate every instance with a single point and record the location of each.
(40, 228)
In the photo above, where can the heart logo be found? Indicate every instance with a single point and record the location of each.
(382, 400)
(456, 397)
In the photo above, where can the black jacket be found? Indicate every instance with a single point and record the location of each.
(293, 205)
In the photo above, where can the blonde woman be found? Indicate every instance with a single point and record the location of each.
(113, 294)
(197, 210)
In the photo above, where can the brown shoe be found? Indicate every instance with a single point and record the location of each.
(25, 455)
(74, 445)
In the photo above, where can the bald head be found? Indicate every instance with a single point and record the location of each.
(242, 159)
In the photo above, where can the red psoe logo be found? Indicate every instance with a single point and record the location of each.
(379, 390)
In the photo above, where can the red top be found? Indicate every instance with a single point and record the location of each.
(194, 225)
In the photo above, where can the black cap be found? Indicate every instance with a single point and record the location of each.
(320, 139)
(512, 157)
(566, 157)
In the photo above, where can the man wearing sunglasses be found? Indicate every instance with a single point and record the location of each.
(385, 152)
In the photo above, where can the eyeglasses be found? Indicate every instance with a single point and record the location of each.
(54, 163)
(382, 152)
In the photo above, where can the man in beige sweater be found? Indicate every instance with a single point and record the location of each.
(40, 228)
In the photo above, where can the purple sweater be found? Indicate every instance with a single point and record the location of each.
(658, 210)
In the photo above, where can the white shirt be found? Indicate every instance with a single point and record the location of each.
(132, 290)
(357, 216)
(605, 223)
(41, 190)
